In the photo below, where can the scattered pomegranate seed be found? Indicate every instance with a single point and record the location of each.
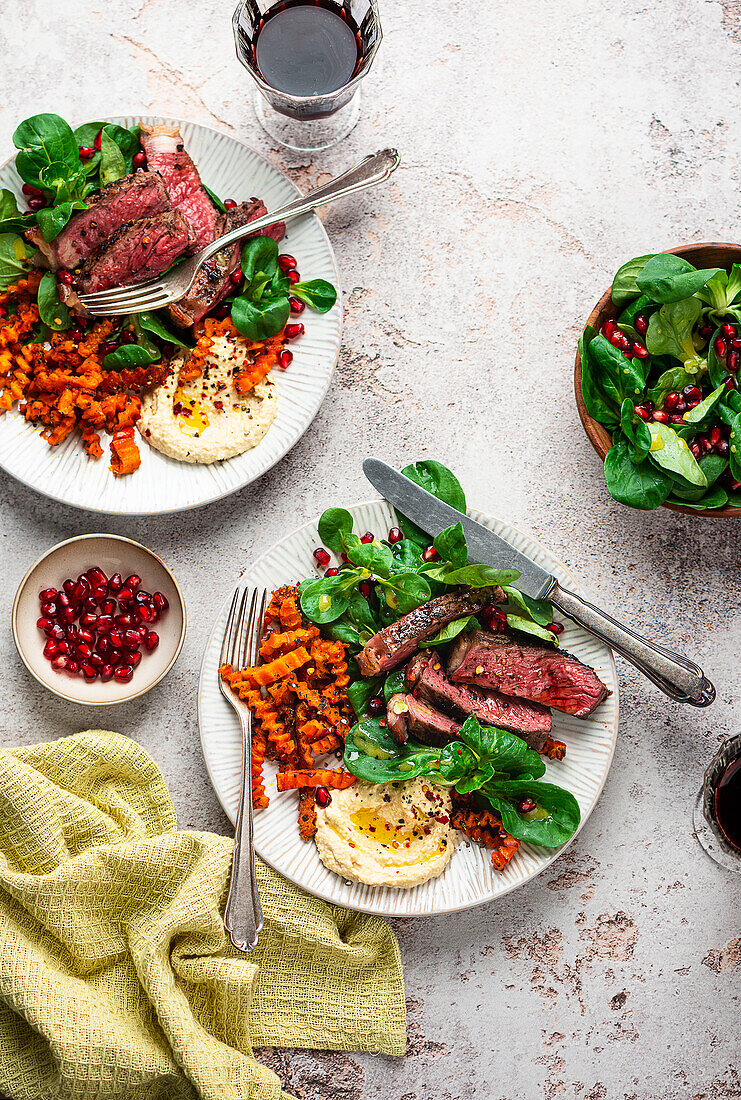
(692, 393)
(161, 601)
(732, 361)
(59, 663)
(86, 152)
(608, 328)
(322, 557)
(714, 435)
(106, 673)
(728, 330)
(123, 673)
(152, 640)
(88, 619)
(72, 667)
(285, 262)
(640, 324)
(367, 537)
(133, 582)
(736, 343)
(332, 572)
(493, 618)
(643, 413)
(236, 277)
(720, 347)
(723, 448)
(639, 351)
(660, 417)
(297, 306)
(135, 658)
(525, 805)
(731, 384)
(376, 704)
(44, 623)
(285, 359)
(125, 596)
(56, 633)
(98, 139)
(676, 418)
(31, 191)
(90, 672)
(706, 331)
(64, 277)
(430, 554)
(293, 277)
(292, 332)
(695, 449)
(69, 587)
(115, 584)
(672, 400)
(139, 159)
(555, 628)
(322, 796)
(51, 649)
(366, 588)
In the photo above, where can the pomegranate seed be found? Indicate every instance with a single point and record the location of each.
(555, 628)
(728, 330)
(285, 359)
(285, 262)
(732, 361)
(230, 204)
(723, 448)
(98, 139)
(135, 658)
(293, 277)
(115, 583)
(344, 557)
(367, 537)
(672, 400)
(115, 657)
(365, 589)
(115, 639)
(714, 435)
(66, 614)
(720, 347)
(84, 651)
(133, 582)
(643, 413)
(382, 722)
(292, 332)
(236, 277)
(376, 704)
(72, 667)
(322, 796)
(57, 633)
(297, 306)
(59, 663)
(125, 594)
(48, 595)
(89, 605)
(676, 418)
(139, 159)
(88, 619)
(692, 393)
(44, 623)
(660, 417)
(160, 601)
(89, 672)
(102, 646)
(152, 640)
(123, 673)
(608, 328)
(97, 662)
(706, 331)
(50, 610)
(736, 343)
(51, 649)
(64, 648)
(141, 630)
(639, 351)
(525, 805)
(95, 575)
(395, 535)
(430, 554)
(71, 633)
(31, 191)
(82, 589)
(731, 384)
(124, 621)
(143, 613)
(108, 607)
(64, 277)
(493, 618)
(640, 324)
(86, 152)
(106, 673)
(332, 572)
(131, 639)
(322, 557)
(69, 587)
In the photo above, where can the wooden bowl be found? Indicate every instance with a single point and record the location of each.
(707, 254)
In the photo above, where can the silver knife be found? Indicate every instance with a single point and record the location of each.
(677, 677)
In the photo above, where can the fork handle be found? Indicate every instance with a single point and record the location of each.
(370, 171)
(243, 918)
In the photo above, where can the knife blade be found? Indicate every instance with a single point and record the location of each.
(433, 516)
(677, 676)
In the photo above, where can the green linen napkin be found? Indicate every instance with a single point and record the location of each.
(117, 979)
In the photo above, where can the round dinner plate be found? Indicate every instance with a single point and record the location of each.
(161, 484)
(469, 878)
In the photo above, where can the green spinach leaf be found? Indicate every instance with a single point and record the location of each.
(51, 310)
(625, 284)
(598, 405)
(335, 527)
(130, 356)
(669, 278)
(14, 256)
(670, 333)
(671, 452)
(318, 294)
(260, 322)
(639, 486)
(558, 807)
(451, 545)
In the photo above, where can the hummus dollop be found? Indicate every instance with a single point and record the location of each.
(387, 834)
(205, 419)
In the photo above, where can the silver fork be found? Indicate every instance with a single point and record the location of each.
(240, 649)
(173, 285)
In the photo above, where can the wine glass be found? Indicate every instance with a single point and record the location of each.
(312, 120)
(709, 827)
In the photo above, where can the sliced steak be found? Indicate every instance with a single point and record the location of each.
(166, 154)
(421, 721)
(213, 282)
(136, 252)
(530, 721)
(396, 643)
(141, 195)
(538, 673)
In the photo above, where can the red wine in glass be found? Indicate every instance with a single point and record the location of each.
(727, 803)
(717, 812)
(307, 48)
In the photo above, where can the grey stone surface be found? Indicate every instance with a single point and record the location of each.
(543, 142)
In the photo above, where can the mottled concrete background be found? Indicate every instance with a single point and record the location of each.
(543, 143)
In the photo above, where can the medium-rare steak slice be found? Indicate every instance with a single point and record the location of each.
(530, 721)
(166, 154)
(136, 252)
(407, 715)
(396, 643)
(141, 195)
(212, 282)
(538, 673)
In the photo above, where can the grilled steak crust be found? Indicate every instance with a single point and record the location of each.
(212, 282)
(137, 251)
(396, 643)
(141, 195)
(166, 154)
(425, 723)
(538, 673)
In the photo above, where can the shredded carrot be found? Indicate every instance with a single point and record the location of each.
(320, 777)
(485, 828)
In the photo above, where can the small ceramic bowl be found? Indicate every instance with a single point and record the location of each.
(701, 255)
(114, 555)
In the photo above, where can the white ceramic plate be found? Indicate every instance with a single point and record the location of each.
(470, 878)
(161, 484)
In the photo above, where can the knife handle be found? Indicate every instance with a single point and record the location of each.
(677, 677)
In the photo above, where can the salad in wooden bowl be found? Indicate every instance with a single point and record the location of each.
(656, 381)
